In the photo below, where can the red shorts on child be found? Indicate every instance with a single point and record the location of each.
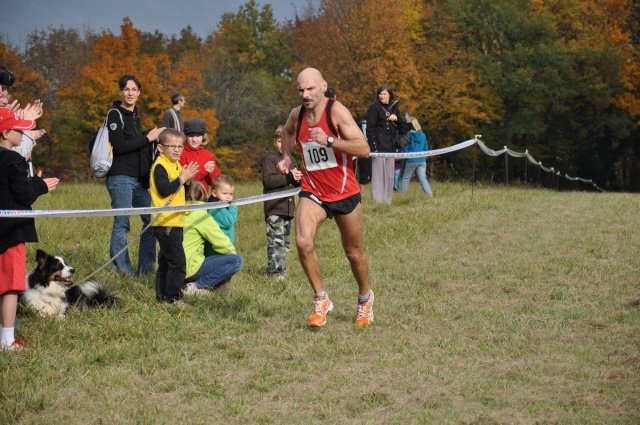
(13, 266)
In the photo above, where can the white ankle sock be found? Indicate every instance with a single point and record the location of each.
(8, 336)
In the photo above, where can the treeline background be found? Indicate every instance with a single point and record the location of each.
(558, 78)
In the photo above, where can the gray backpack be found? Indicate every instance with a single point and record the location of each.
(101, 150)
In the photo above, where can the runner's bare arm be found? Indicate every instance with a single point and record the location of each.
(352, 141)
(288, 140)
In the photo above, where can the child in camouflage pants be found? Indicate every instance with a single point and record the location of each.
(278, 213)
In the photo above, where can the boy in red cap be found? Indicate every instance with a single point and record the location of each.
(17, 192)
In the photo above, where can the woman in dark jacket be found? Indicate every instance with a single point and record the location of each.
(128, 178)
(383, 119)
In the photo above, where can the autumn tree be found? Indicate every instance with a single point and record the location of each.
(84, 102)
(177, 63)
(453, 103)
(557, 77)
(360, 44)
(29, 86)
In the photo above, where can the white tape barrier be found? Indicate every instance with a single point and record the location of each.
(148, 210)
(485, 149)
(533, 160)
(434, 152)
(545, 169)
(566, 176)
(526, 154)
(506, 150)
(490, 152)
(261, 198)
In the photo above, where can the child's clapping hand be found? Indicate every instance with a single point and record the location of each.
(210, 166)
(188, 171)
(51, 182)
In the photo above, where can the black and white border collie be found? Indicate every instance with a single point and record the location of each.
(50, 291)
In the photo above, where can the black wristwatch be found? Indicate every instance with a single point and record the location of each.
(330, 141)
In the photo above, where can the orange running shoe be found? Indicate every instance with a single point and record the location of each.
(322, 307)
(364, 314)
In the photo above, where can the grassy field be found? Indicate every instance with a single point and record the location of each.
(501, 306)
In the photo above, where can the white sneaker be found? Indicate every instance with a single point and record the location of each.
(192, 289)
(17, 345)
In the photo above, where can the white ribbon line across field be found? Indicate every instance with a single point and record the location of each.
(148, 210)
(109, 212)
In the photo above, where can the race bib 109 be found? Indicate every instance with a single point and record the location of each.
(318, 157)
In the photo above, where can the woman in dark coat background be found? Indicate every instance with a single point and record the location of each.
(383, 119)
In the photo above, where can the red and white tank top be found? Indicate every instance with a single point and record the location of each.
(328, 172)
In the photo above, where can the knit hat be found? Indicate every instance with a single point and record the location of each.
(195, 126)
(9, 120)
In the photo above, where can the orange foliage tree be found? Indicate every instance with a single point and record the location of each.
(560, 77)
(186, 78)
(358, 45)
(412, 44)
(84, 103)
(29, 85)
(452, 102)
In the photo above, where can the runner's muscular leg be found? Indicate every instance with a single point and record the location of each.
(351, 226)
(309, 216)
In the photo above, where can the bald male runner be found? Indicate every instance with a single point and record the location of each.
(329, 188)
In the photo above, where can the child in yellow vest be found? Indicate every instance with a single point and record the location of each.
(167, 189)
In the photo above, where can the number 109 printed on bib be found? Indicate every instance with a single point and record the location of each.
(318, 157)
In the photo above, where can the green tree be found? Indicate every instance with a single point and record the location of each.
(253, 39)
(153, 43)
(245, 68)
(557, 94)
(188, 43)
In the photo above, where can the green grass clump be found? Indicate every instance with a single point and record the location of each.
(501, 306)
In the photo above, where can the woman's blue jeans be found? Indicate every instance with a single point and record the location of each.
(419, 168)
(127, 192)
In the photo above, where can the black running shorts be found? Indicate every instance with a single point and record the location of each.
(342, 207)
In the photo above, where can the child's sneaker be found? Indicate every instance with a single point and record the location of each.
(193, 289)
(364, 314)
(17, 346)
(323, 305)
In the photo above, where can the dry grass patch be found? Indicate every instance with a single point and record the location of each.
(511, 306)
